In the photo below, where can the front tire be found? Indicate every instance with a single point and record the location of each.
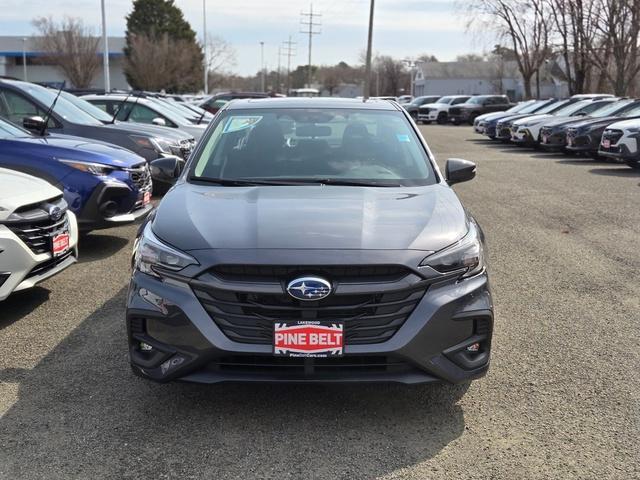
(442, 118)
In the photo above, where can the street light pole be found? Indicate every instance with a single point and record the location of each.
(105, 51)
(24, 59)
(206, 50)
(262, 65)
(367, 70)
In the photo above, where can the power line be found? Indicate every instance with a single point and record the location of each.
(307, 21)
(289, 50)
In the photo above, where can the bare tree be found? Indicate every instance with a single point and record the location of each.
(221, 56)
(157, 63)
(615, 52)
(70, 46)
(523, 24)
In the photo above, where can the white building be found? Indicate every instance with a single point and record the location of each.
(14, 49)
(485, 78)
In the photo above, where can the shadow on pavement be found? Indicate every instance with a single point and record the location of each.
(97, 246)
(80, 413)
(622, 171)
(19, 304)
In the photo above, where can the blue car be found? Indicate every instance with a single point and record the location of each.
(104, 185)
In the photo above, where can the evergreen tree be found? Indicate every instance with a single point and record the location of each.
(162, 22)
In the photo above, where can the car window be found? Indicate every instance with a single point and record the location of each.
(16, 107)
(87, 107)
(612, 109)
(63, 107)
(632, 112)
(457, 101)
(8, 130)
(309, 144)
(141, 114)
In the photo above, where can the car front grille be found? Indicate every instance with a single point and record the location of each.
(546, 131)
(141, 178)
(572, 133)
(252, 364)
(455, 111)
(613, 136)
(246, 301)
(35, 226)
(50, 264)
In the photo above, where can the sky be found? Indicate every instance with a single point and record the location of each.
(402, 28)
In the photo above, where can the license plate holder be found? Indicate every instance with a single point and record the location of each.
(606, 143)
(312, 338)
(146, 198)
(60, 244)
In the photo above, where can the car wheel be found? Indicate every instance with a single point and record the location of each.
(442, 118)
(634, 165)
(455, 122)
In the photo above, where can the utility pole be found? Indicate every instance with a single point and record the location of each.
(289, 51)
(367, 69)
(262, 65)
(279, 67)
(105, 51)
(24, 59)
(206, 50)
(307, 21)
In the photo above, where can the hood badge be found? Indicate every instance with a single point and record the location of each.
(309, 288)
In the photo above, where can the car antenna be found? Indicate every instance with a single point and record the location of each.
(134, 104)
(48, 114)
(119, 107)
(204, 112)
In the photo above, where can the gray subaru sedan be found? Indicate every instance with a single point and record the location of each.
(310, 240)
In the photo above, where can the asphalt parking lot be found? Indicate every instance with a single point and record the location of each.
(560, 400)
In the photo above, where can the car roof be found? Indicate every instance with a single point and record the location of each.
(317, 102)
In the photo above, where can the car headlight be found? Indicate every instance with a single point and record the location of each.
(161, 144)
(97, 169)
(150, 253)
(465, 256)
(633, 130)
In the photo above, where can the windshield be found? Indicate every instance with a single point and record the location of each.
(87, 107)
(376, 147)
(9, 130)
(531, 108)
(476, 100)
(63, 108)
(446, 100)
(162, 109)
(177, 109)
(572, 108)
(612, 109)
(520, 107)
(633, 112)
(554, 107)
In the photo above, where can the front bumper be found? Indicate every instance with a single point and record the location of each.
(553, 142)
(522, 136)
(21, 268)
(115, 203)
(429, 346)
(621, 150)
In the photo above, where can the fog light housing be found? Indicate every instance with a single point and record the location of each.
(145, 347)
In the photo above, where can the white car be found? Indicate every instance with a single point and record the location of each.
(38, 235)
(439, 111)
(621, 141)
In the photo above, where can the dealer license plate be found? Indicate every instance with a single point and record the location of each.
(545, 139)
(60, 244)
(308, 339)
(146, 199)
(606, 143)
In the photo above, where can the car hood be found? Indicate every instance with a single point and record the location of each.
(487, 117)
(18, 189)
(624, 124)
(195, 217)
(595, 122)
(434, 105)
(68, 147)
(560, 121)
(534, 119)
(151, 130)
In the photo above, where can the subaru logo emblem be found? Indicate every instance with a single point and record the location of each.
(55, 213)
(309, 288)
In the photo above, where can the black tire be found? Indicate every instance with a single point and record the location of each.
(442, 118)
(595, 156)
(634, 165)
(455, 122)
(566, 152)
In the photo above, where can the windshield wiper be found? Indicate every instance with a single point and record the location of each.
(119, 107)
(241, 182)
(348, 182)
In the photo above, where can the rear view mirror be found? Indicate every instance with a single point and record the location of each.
(159, 121)
(458, 170)
(166, 169)
(33, 124)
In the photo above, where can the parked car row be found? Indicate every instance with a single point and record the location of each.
(454, 108)
(594, 125)
(69, 166)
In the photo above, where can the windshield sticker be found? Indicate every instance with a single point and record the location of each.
(240, 123)
(403, 137)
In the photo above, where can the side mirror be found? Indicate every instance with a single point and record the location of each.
(458, 170)
(159, 121)
(166, 169)
(33, 124)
